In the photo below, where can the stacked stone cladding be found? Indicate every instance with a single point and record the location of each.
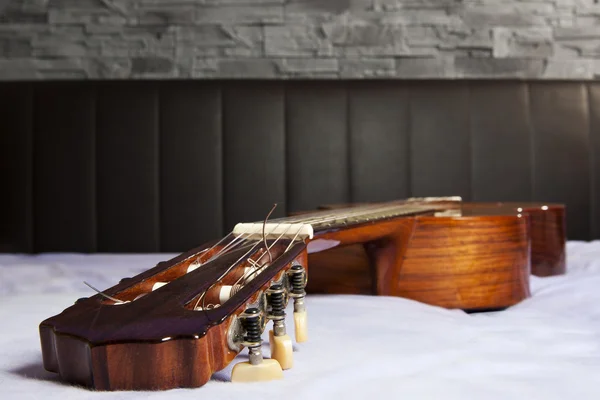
(287, 39)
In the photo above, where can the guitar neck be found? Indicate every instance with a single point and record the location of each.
(307, 225)
(357, 217)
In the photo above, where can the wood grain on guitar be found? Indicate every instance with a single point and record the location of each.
(479, 258)
(179, 322)
(179, 334)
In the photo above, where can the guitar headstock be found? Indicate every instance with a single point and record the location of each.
(179, 322)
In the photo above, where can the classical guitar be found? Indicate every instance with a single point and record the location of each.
(179, 322)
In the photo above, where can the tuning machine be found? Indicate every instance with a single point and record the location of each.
(257, 368)
(297, 278)
(279, 340)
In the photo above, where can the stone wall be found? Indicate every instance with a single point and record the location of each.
(90, 39)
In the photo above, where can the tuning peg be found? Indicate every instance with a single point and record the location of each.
(193, 266)
(300, 322)
(257, 368)
(158, 285)
(297, 276)
(280, 341)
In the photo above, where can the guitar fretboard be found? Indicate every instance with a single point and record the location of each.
(307, 225)
(357, 217)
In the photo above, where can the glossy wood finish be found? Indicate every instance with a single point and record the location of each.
(475, 260)
(460, 264)
(548, 234)
(480, 260)
(157, 341)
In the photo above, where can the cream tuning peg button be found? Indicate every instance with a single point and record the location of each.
(256, 369)
(193, 266)
(158, 285)
(300, 325)
(297, 276)
(266, 370)
(280, 341)
(281, 349)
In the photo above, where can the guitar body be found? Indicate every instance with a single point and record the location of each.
(480, 260)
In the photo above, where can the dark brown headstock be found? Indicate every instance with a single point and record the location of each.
(173, 325)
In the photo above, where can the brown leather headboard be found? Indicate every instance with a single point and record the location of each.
(142, 166)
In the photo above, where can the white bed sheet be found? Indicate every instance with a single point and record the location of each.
(547, 347)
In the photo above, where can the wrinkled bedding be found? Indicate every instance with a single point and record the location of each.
(547, 347)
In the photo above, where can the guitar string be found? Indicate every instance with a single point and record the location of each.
(333, 216)
(263, 232)
(224, 238)
(230, 245)
(227, 247)
(363, 210)
(233, 265)
(202, 297)
(303, 219)
(252, 262)
(314, 219)
(292, 220)
(104, 294)
(233, 243)
(257, 270)
(356, 213)
(255, 263)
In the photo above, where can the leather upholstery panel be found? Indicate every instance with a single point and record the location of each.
(127, 167)
(64, 168)
(379, 142)
(16, 167)
(145, 166)
(317, 145)
(191, 177)
(594, 109)
(561, 156)
(440, 148)
(501, 132)
(254, 151)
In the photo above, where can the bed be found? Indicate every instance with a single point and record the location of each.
(546, 347)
